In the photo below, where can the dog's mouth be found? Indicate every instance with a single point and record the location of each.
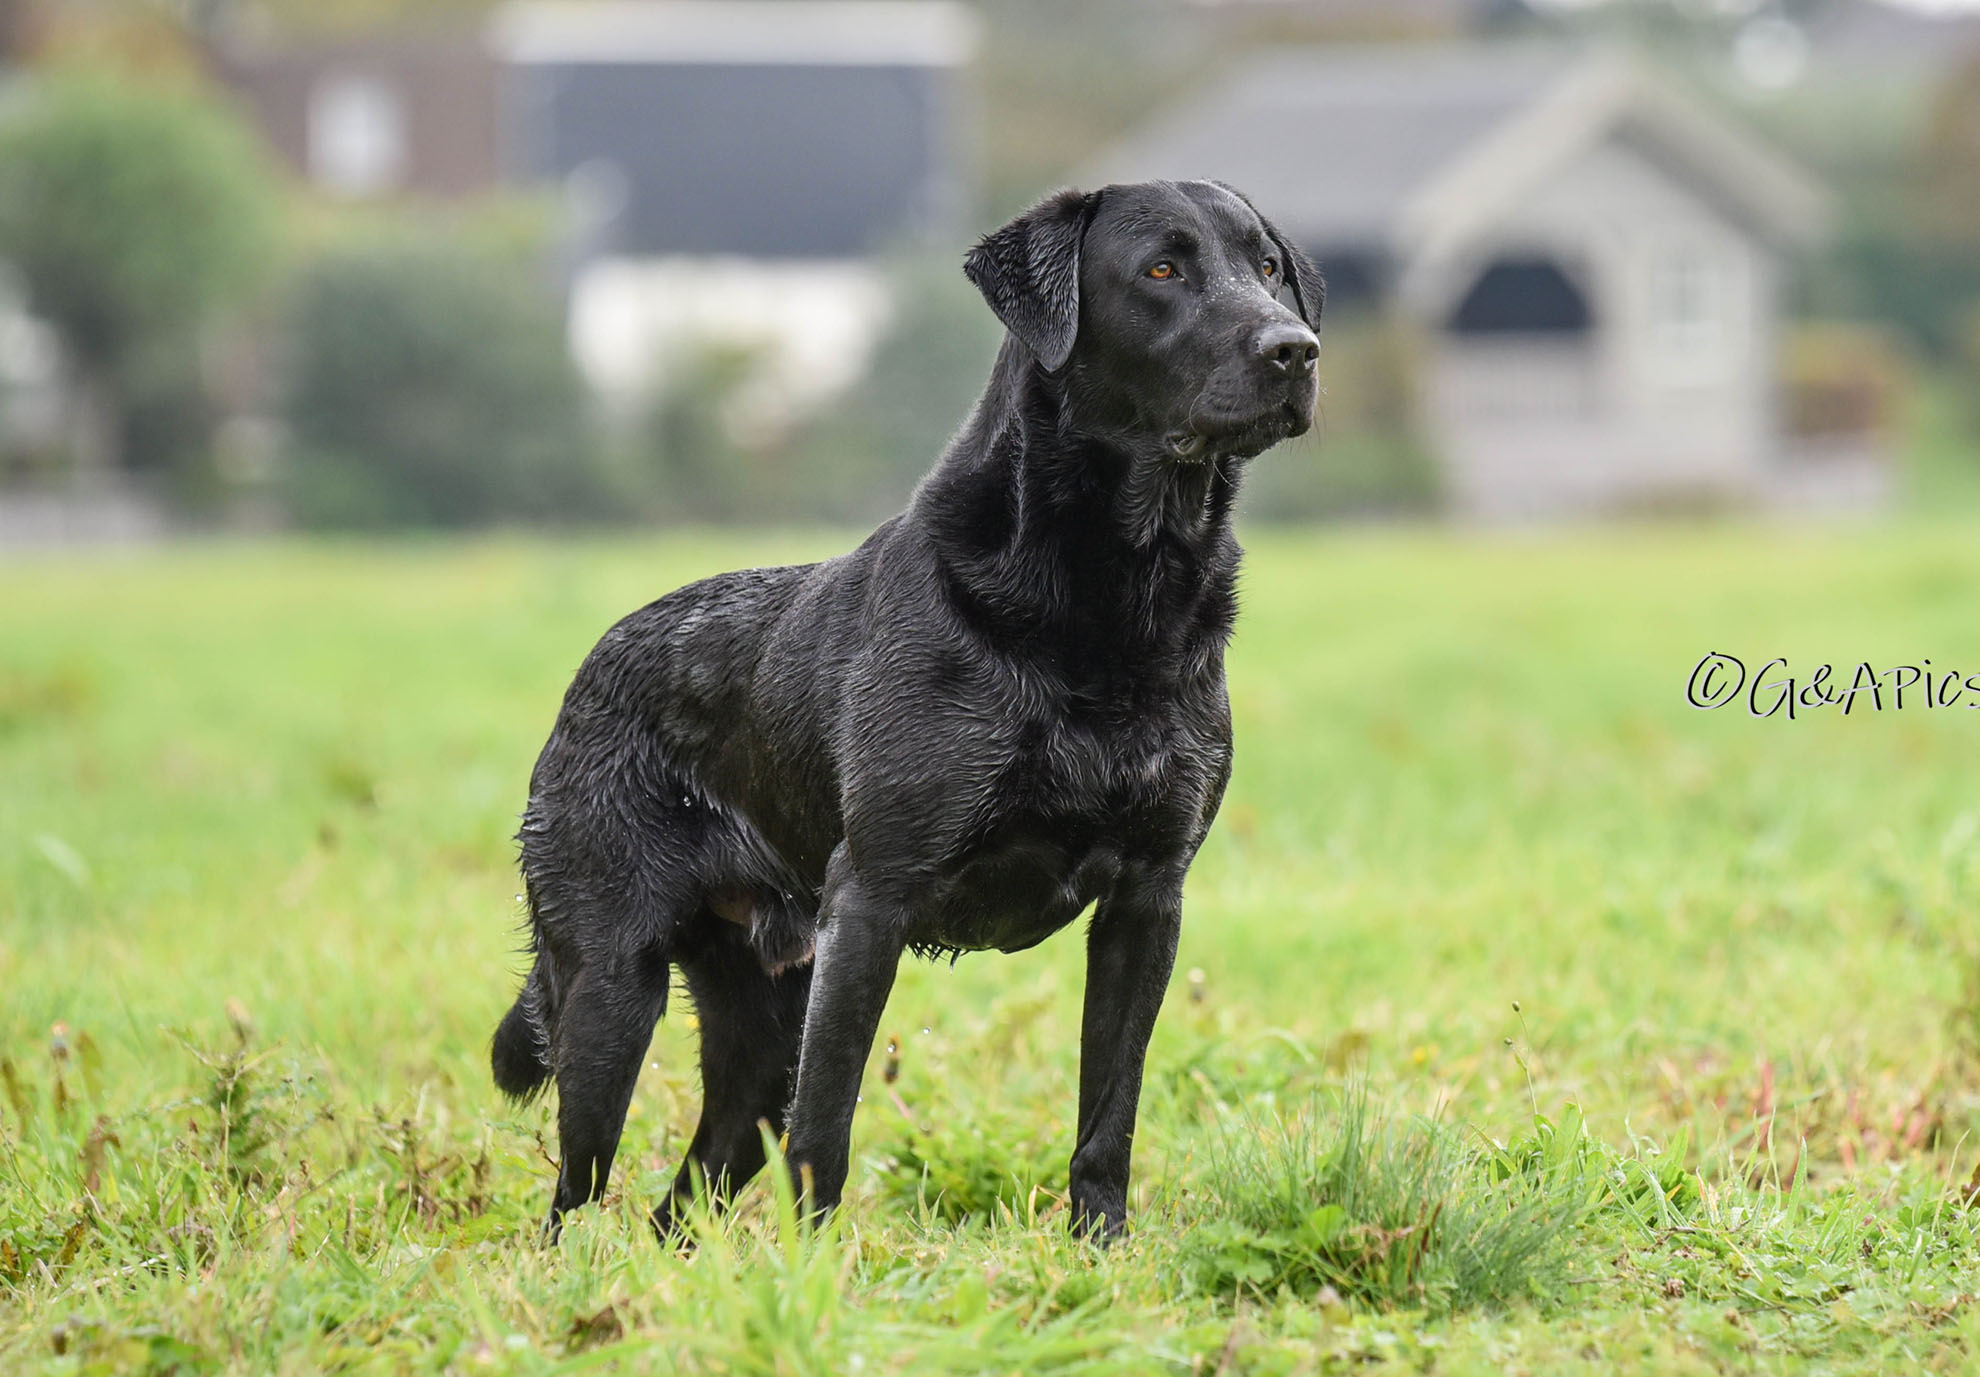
(1187, 444)
(1247, 435)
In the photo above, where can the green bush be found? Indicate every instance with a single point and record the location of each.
(134, 216)
(1968, 368)
(861, 462)
(1839, 379)
(1879, 267)
(690, 464)
(857, 459)
(430, 385)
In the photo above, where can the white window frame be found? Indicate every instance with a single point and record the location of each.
(1696, 310)
(357, 134)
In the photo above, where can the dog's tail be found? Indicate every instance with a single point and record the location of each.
(520, 1053)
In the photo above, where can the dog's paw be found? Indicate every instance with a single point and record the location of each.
(670, 1226)
(1100, 1223)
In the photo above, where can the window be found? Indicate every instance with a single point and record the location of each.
(357, 135)
(1694, 311)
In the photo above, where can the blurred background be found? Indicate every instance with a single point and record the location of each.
(290, 264)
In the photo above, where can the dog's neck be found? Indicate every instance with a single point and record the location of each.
(1060, 517)
(1059, 459)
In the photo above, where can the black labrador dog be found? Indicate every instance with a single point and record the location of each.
(1007, 705)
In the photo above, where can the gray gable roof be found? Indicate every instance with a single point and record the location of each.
(1336, 141)
(1404, 146)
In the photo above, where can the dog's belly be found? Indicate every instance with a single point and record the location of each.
(1015, 894)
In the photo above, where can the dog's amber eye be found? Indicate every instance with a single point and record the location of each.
(1271, 266)
(1162, 271)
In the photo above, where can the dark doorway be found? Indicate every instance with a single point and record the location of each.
(1522, 296)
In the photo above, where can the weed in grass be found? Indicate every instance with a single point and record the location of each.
(32, 698)
(975, 1166)
(241, 1131)
(1651, 1185)
(1387, 1212)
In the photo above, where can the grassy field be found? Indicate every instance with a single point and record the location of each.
(1527, 1018)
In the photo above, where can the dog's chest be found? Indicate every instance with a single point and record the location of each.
(1078, 800)
(1119, 771)
(1133, 772)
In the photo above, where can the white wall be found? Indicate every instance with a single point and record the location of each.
(811, 327)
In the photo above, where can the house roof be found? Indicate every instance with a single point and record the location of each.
(1416, 147)
(853, 33)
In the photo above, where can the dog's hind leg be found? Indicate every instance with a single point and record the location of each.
(603, 1031)
(752, 1024)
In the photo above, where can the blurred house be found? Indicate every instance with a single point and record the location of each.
(727, 171)
(1335, 20)
(1591, 261)
(730, 172)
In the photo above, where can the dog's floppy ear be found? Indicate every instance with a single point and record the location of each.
(1029, 273)
(1309, 289)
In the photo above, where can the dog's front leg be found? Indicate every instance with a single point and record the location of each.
(859, 949)
(1130, 953)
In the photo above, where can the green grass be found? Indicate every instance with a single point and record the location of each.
(1335, 1205)
(257, 922)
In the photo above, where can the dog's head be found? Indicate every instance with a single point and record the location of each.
(1172, 312)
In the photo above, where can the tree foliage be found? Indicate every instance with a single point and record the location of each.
(133, 215)
(1949, 198)
(430, 384)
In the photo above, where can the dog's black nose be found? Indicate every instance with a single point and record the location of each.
(1287, 347)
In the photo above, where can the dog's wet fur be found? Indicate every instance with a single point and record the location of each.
(1007, 705)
